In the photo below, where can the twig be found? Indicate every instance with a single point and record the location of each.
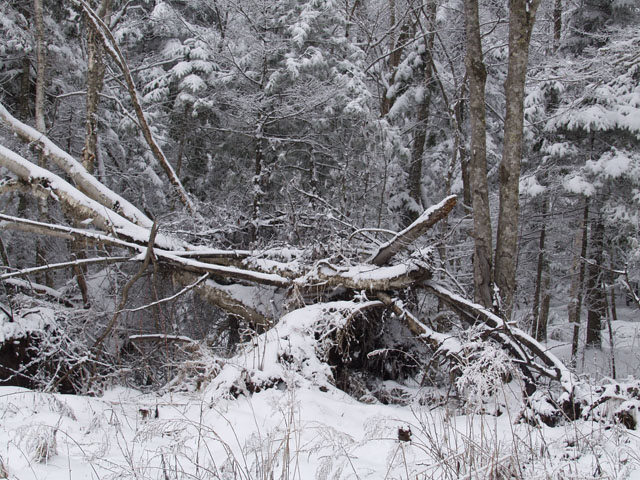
(125, 292)
(167, 299)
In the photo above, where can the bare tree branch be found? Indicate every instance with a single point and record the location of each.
(407, 236)
(111, 46)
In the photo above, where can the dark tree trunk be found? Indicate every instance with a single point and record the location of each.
(539, 322)
(596, 300)
(578, 271)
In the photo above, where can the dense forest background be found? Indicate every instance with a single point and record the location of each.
(319, 239)
(311, 131)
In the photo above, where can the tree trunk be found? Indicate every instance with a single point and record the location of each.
(578, 270)
(557, 23)
(25, 89)
(540, 327)
(545, 303)
(477, 74)
(521, 18)
(596, 300)
(95, 79)
(40, 123)
(420, 136)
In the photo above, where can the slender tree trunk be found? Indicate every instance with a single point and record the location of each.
(614, 312)
(25, 89)
(557, 23)
(95, 80)
(596, 300)
(258, 192)
(41, 60)
(578, 271)
(420, 136)
(477, 75)
(545, 303)
(521, 18)
(540, 326)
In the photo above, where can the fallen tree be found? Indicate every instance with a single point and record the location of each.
(234, 275)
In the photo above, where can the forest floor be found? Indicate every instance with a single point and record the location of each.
(303, 428)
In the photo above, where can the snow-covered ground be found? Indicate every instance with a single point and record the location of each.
(272, 412)
(290, 433)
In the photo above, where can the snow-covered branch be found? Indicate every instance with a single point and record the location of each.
(512, 336)
(86, 182)
(428, 219)
(79, 205)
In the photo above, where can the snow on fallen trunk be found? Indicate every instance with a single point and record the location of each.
(87, 183)
(83, 207)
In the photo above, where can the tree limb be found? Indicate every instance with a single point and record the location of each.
(74, 263)
(86, 182)
(111, 46)
(428, 219)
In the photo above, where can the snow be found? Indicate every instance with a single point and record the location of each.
(578, 184)
(612, 164)
(271, 411)
(530, 187)
(193, 83)
(24, 322)
(298, 433)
